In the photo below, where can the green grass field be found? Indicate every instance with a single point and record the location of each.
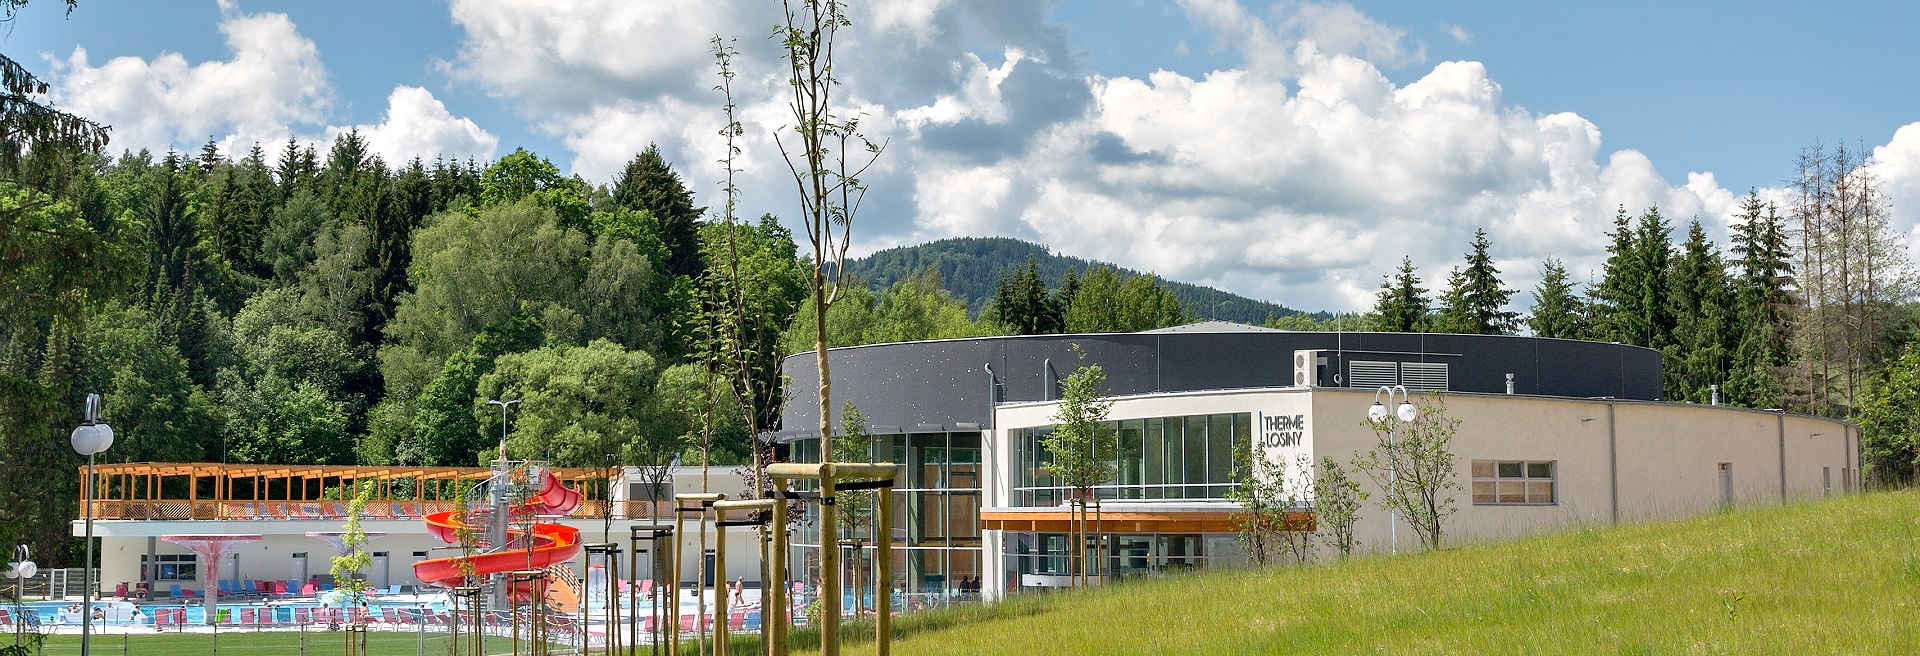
(1832, 577)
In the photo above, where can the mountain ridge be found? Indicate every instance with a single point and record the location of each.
(971, 268)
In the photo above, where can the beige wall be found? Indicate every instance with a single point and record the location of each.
(1667, 455)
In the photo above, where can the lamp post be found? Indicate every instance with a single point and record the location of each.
(1378, 414)
(91, 437)
(503, 422)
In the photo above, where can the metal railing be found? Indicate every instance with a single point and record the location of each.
(333, 510)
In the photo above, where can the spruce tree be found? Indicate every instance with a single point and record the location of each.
(1763, 271)
(1456, 309)
(1402, 302)
(1557, 310)
(1616, 298)
(1701, 301)
(1021, 303)
(1651, 323)
(1485, 298)
(649, 183)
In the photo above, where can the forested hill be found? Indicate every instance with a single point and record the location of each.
(972, 266)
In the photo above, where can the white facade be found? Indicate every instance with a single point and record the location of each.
(286, 553)
(1600, 461)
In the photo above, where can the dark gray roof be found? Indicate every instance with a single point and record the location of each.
(1211, 327)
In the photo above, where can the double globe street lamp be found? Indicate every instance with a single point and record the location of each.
(89, 439)
(1403, 413)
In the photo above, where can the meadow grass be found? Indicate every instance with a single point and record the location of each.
(1840, 576)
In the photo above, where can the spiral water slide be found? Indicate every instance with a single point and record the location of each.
(553, 545)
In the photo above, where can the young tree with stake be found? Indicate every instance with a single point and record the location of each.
(1082, 445)
(827, 177)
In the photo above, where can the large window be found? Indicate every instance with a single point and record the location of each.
(936, 525)
(171, 567)
(1189, 457)
(1515, 482)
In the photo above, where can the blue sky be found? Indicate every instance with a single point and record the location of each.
(1090, 126)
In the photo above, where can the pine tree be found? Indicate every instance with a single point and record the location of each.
(1557, 310)
(1402, 304)
(648, 183)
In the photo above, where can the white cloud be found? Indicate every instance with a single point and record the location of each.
(272, 87)
(1335, 28)
(273, 80)
(1299, 175)
(417, 124)
(1460, 35)
(563, 54)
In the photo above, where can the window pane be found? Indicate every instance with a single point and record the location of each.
(1514, 492)
(1539, 470)
(1131, 452)
(1219, 449)
(1510, 470)
(1483, 469)
(1483, 492)
(964, 470)
(1540, 492)
(1196, 455)
(1155, 443)
(1175, 446)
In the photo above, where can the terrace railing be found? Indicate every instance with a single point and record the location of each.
(332, 510)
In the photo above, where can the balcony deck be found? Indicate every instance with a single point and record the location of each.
(213, 491)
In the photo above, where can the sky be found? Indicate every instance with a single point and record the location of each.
(1290, 151)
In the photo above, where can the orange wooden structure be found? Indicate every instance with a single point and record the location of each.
(204, 490)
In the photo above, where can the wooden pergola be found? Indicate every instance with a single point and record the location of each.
(205, 490)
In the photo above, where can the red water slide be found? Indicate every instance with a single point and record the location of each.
(552, 543)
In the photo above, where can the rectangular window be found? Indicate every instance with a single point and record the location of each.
(1196, 453)
(1515, 482)
(1826, 480)
(1219, 454)
(1132, 465)
(1155, 445)
(172, 567)
(1174, 459)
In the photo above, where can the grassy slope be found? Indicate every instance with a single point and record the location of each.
(1834, 577)
(1819, 578)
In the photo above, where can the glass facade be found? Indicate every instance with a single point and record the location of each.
(1188, 457)
(1029, 556)
(936, 520)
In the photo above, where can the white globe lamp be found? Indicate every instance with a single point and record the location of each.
(1407, 412)
(91, 438)
(1377, 413)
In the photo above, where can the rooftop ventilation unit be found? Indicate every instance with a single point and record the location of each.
(1310, 369)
